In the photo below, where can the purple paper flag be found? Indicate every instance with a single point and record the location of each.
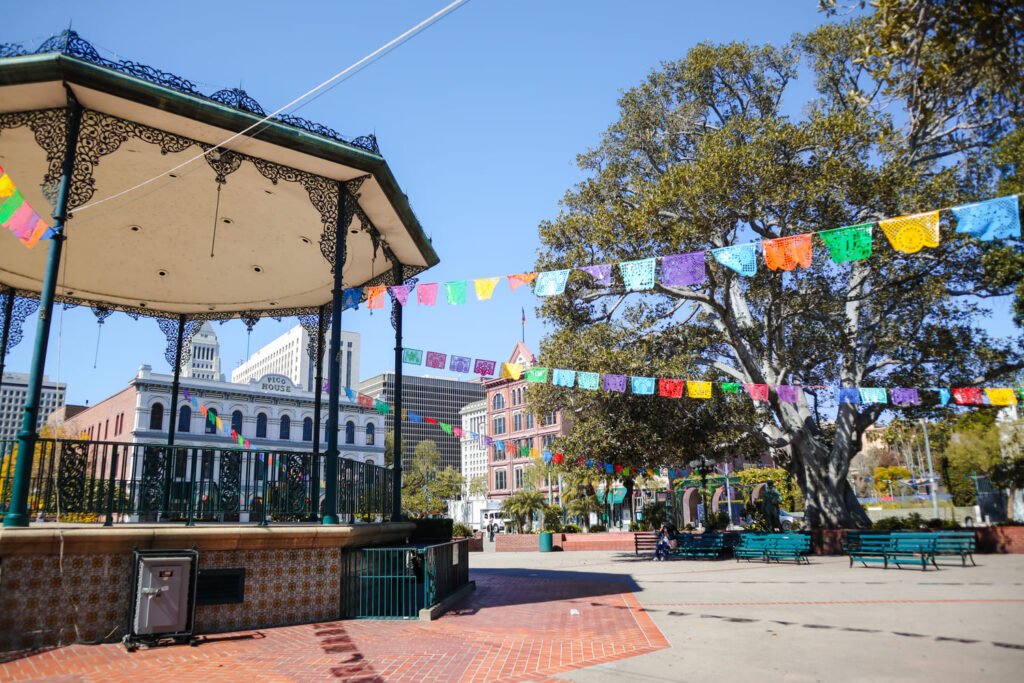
(601, 273)
(401, 293)
(683, 270)
(459, 364)
(905, 397)
(436, 360)
(484, 368)
(787, 393)
(614, 383)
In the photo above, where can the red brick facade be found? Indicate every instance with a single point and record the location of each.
(510, 419)
(112, 419)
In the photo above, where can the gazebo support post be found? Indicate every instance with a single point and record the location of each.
(175, 387)
(17, 514)
(8, 315)
(318, 385)
(330, 515)
(396, 478)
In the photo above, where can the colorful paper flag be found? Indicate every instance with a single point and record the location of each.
(445, 427)
(537, 374)
(351, 297)
(563, 378)
(17, 216)
(739, 257)
(551, 282)
(731, 387)
(638, 275)
(602, 273)
(484, 368)
(426, 294)
(588, 380)
(643, 386)
(484, 287)
(851, 243)
(995, 219)
(670, 388)
(519, 279)
(905, 397)
(412, 356)
(695, 389)
(877, 395)
(786, 253)
(910, 234)
(455, 292)
(968, 396)
(436, 360)
(1001, 396)
(511, 371)
(847, 395)
(789, 393)
(401, 293)
(683, 270)
(375, 297)
(614, 383)
(459, 364)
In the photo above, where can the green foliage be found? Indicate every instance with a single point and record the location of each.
(553, 518)
(785, 484)
(597, 528)
(570, 529)
(888, 479)
(1009, 473)
(972, 445)
(655, 514)
(426, 489)
(913, 522)
(460, 529)
(581, 508)
(521, 506)
(704, 155)
(478, 486)
(716, 521)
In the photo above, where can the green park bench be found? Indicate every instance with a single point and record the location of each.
(646, 541)
(898, 549)
(709, 546)
(948, 544)
(794, 547)
(751, 547)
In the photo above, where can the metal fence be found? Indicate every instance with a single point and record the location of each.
(74, 480)
(396, 583)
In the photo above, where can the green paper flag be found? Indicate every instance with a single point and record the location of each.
(524, 451)
(851, 243)
(536, 374)
(456, 291)
(10, 205)
(731, 387)
(382, 407)
(412, 356)
(445, 427)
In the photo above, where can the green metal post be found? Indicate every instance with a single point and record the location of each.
(17, 515)
(334, 364)
(8, 314)
(176, 383)
(318, 388)
(396, 482)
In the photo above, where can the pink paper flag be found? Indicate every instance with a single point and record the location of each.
(426, 294)
(520, 279)
(758, 392)
(436, 360)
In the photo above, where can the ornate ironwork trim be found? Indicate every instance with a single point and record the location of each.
(73, 45)
(22, 309)
(50, 129)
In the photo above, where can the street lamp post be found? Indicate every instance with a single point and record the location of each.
(703, 467)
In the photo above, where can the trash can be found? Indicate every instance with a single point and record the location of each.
(545, 541)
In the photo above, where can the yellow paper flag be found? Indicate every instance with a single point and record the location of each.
(698, 389)
(910, 234)
(485, 287)
(1001, 397)
(511, 371)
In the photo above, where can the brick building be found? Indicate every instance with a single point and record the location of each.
(510, 419)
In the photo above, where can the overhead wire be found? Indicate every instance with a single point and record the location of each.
(331, 82)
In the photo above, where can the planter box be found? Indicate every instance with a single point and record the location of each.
(476, 542)
(521, 543)
(1000, 539)
(511, 543)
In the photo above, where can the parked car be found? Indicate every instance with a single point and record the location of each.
(790, 519)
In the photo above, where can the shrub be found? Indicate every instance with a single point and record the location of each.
(595, 528)
(716, 521)
(461, 529)
(553, 518)
(655, 514)
(570, 529)
(633, 526)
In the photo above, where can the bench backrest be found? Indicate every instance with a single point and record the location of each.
(947, 541)
(913, 543)
(797, 542)
(753, 541)
(871, 543)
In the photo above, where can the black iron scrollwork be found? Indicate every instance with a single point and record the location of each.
(169, 327)
(20, 312)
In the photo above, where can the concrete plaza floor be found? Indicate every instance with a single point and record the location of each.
(609, 616)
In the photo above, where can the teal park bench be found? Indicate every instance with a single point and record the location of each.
(948, 544)
(766, 547)
(898, 549)
(708, 546)
(646, 541)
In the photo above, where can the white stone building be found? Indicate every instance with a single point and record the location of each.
(470, 509)
(288, 355)
(204, 363)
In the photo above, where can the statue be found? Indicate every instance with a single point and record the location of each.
(770, 501)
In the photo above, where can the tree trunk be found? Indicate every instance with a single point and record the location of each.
(831, 501)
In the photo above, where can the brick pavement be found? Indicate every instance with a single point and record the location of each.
(517, 626)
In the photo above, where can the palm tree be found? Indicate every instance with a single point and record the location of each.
(522, 505)
(581, 507)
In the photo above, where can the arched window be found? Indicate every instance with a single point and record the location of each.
(261, 426)
(236, 421)
(499, 402)
(286, 427)
(370, 434)
(156, 416)
(307, 429)
(211, 421)
(185, 419)
(350, 432)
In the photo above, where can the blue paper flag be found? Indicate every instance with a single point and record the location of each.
(740, 257)
(848, 395)
(995, 219)
(350, 298)
(638, 275)
(563, 378)
(551, 282)
(642, 385)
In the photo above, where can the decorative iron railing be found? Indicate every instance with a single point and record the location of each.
(90, 481)
(396, 583)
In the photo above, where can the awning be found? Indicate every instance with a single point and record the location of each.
(618, 495)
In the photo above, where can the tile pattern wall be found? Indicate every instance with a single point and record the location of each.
(43, 605)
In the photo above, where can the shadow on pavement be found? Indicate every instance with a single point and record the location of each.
(334, 640)
(524, 586)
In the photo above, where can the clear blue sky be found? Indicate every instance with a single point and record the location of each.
(480, 118)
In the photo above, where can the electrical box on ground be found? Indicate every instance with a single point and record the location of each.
(164, 598)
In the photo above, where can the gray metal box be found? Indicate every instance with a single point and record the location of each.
(163, 595)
